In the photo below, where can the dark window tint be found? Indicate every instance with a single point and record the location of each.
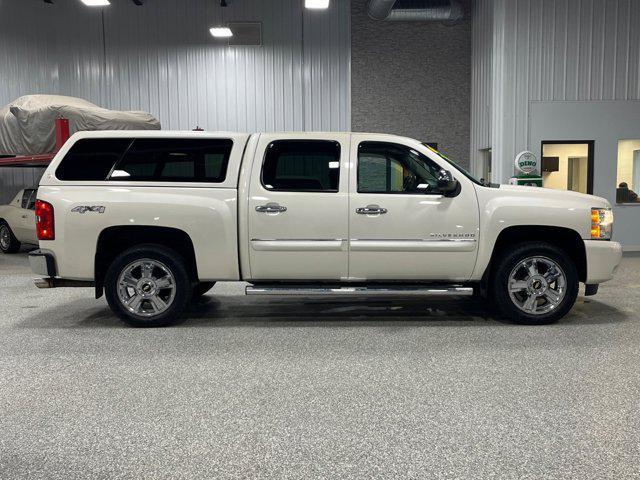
(302, 165)
(392, 168)
(91, 158)
(177, 160)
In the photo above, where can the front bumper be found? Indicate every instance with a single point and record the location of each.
(603, 258)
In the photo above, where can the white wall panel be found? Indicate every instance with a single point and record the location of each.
(160, 58)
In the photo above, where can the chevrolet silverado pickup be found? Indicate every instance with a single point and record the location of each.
(153, 219)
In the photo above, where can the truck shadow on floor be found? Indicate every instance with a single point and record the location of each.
(229, 311)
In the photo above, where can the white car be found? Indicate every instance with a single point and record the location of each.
(154, 219)
(18, 221)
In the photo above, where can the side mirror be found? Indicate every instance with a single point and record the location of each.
(447, 185)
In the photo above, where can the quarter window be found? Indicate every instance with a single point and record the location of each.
(302, 166)
(91, 159)
(177, 160)
(392, 168)
(29, 199)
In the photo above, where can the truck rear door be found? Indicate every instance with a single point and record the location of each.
(298, 207)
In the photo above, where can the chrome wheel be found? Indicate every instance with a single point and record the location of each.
(146, 287)
(5, 237)
(537, 285)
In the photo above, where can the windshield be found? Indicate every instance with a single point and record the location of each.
(463, 170)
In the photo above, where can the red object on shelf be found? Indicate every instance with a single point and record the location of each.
(62, 132)
(62, 135)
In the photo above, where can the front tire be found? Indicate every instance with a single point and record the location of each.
(8, 241)
(148, 286)
(535, 283)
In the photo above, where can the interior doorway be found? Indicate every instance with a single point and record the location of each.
(568, 165)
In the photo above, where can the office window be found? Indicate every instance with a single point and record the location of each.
(628, 178)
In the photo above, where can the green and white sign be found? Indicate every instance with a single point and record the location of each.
(527, 163)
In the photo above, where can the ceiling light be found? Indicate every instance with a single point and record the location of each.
(316, 4)
(96, 3)
(221, 32)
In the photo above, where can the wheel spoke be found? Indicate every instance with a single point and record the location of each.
(531, 304)
(134, 302)
(164, 282)
(517, 286)
(552, 296)
(129, 281)
(157, 303)
(533, 268)
(147, 269)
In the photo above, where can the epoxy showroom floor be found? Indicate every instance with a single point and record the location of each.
(299, 388)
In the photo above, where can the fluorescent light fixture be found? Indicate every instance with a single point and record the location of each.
(96, 3)
(316, 4)
(221, 32)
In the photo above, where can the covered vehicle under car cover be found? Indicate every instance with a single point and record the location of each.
(27, 125)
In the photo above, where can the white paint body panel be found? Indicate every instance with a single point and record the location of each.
(21, 221)
(319, 237)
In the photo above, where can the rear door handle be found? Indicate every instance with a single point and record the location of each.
(371, 210)
(271, 208)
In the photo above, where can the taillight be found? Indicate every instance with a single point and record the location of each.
(45, 225)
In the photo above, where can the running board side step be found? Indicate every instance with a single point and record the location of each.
(419, 290)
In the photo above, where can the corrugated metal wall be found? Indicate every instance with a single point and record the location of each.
(555, 50)
(161, 58)
(481, 58)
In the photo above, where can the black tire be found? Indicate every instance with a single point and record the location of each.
(201, 288)
(181, 286)
(508, 262)
(8, 241)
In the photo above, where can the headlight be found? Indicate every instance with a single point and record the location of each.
(601, 223)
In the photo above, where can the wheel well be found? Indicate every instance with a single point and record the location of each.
(115, 240)
(564, 238)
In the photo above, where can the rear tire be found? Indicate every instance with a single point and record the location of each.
(201, 288)
(535, 283)
(148, 286)
(8, 241)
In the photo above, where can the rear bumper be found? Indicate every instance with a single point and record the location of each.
(43, 263)
(603, 259)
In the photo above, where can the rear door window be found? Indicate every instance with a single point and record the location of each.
(175, 160)
(91, 159)
(302, 166)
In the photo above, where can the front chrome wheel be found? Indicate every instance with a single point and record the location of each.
(537, 285)
(146, 287)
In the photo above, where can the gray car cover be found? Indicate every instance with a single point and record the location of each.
(27, 125)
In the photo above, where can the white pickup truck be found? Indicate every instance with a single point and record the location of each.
(154, 219)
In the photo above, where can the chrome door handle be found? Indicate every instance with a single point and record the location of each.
(271, 208)
(371, 210)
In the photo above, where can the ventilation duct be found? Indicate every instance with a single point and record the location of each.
(445, 11)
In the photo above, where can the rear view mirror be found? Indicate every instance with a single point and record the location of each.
(447, 185)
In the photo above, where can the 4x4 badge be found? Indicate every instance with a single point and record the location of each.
(85, 209)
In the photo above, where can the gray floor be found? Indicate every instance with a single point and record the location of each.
(257, 387)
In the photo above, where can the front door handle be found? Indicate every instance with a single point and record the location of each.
(371, 210)
(271, 208)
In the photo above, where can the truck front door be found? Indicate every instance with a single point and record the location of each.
(401, 226)
(298, 208)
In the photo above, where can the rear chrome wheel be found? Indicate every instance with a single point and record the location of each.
(534, 283)
(537, 285)
(148, 286)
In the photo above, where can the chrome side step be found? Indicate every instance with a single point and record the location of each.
(419, 290)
